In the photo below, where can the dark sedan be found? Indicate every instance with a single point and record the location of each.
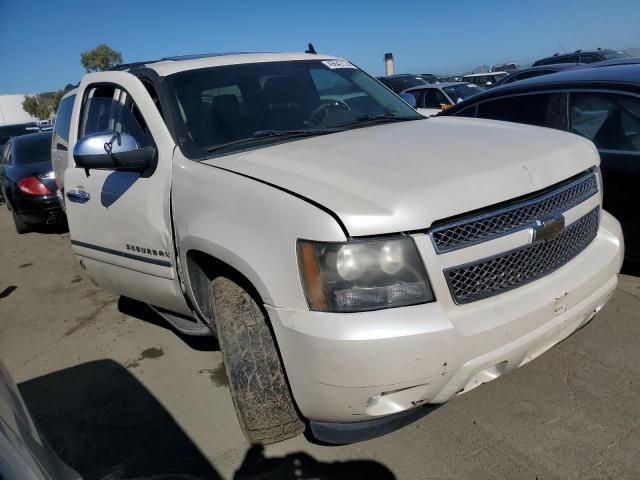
(399, 83)
(26, 180)
(601, 104)
(535, 72)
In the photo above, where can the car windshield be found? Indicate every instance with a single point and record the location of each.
(9, 131)
(402, 83)
(431, 79)
(251, 105)
(33, 149)
(613, 55)
(457, 93)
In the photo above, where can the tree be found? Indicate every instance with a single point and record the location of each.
(100, 58)
(55, 100)
(43, 106)
(34, 107)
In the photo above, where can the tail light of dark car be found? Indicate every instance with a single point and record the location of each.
(32, 186)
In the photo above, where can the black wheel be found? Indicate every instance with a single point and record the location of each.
(21, 227)
(259, 389)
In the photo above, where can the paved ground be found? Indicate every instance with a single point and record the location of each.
(121, 395)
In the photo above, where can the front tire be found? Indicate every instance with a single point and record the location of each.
(257, 382)
(21, 227)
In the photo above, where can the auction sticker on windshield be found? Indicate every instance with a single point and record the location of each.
(337, 64)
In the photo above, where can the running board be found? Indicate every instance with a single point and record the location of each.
(184, 324)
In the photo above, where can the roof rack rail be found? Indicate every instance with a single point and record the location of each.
(176, 58)
(196, 56)
(578, 51)
(130, 66)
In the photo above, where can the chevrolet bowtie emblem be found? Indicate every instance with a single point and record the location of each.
(548, 229)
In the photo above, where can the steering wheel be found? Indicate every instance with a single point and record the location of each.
(321, 113)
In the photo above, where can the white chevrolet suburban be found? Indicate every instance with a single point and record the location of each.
(354, 259)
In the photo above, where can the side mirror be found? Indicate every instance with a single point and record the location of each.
(444, 106)
(410, 99)
(113, 150)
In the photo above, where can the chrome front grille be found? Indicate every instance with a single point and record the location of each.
(494, 275)
(517, 216)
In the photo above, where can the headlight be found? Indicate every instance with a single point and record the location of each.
(362, 275)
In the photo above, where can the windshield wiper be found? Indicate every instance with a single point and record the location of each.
(382, 118)
(262, 134)
(386, 118)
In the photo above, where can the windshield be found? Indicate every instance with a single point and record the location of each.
(400, 84)
(33, 149)
(613, 55)
(222, 106)
(431, 79)
(457, 93)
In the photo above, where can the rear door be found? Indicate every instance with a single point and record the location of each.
(60, 142)
(120, 221)
(545, 109)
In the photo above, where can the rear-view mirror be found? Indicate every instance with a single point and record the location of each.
(112, 150)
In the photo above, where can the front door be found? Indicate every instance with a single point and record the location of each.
(612, 121)
(120, 221)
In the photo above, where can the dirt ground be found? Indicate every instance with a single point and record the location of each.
(120, 395)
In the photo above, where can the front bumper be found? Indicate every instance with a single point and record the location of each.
(362, 366)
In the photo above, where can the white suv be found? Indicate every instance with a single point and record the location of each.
(354, 259)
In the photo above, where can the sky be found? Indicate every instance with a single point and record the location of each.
(41, 41)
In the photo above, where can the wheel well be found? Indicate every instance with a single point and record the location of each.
(202, 268)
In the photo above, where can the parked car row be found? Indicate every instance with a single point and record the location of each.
(509, 72)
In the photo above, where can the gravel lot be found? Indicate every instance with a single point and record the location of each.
(120, 395)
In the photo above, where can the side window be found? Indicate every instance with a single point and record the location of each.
(108, 108)
(531, 74)
(63, 124)
(442, 98)
(611, 121)
(6, 155)
(3, 155)
(433, 98)
(537, 109)
(589, 58)
(416, 94)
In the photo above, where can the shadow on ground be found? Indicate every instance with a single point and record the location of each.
(105, 424)
(144, 312)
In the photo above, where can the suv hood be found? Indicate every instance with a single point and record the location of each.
(401, 177)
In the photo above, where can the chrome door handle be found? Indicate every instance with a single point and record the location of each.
(78, 196)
